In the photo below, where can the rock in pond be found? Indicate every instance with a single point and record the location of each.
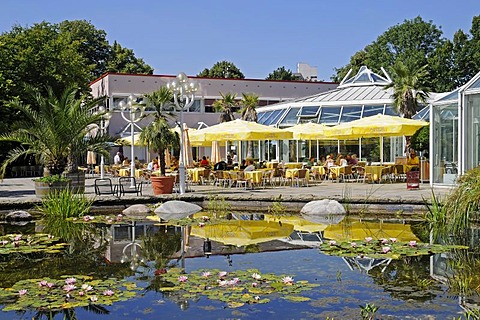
(137, 211)
(323, 211)
(18, 216)
(175, 209)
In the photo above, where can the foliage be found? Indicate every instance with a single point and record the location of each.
(234, 288)
(157, 135)
(124, 60)
(277, 209)
(222, 69)
(226, 105)
(384, 248)
(160, 247)
(462, 204)
(52, 179)
(282, 74)
(58, 134)
(65, 204)
(70, 292)
(368, 312)
(27, 244)
(464, 279)
(249, 103)
(451, 63)
(217, 207)
(421, 139)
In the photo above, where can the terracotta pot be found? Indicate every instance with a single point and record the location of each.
(162, 185)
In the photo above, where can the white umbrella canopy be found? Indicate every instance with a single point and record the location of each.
(187, 156)
(91, 157)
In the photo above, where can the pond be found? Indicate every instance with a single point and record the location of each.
(286, 256)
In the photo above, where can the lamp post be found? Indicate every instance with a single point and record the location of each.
(131, 112)
(103, 127)
(184, 95)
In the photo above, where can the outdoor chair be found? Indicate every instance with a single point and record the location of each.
(400, 173)
(105, 187)
(301, 176)
(346, 174)
(129, 185)
(205, 177)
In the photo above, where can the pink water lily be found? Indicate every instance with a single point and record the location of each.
(368, 239)
(22, 292)
(353, 244)
(393, 240)
(42, 283)
(108, 293)
(201, 224)
(50, 285)
(81, 293)
(386, 249)
(287, 280)
(222, 274)
(206, 274)
(70, 280)
(69, 287)
(4, 242)
(254, 284)
(383, 241)
(332, 242)
(412, 243)
(18, 238)
(182, 279)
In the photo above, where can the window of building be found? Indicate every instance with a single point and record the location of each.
(330, 115)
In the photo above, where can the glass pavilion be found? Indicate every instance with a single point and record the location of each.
(358, 96)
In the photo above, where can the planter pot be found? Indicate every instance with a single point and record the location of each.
(162, 185)
(42, 189)
(78, 181)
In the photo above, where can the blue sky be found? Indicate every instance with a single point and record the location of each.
(257, 36)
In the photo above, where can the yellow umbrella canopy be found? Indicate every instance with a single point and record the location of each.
(359, 230)
(375, 126)
(298, 223)
(308, 131)
(240, 130)
(243, 232)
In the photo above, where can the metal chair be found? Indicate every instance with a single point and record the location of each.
(126, 185)
(105, 186)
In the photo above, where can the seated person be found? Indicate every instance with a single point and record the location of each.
(222, 165)
(310, 162)
(229, 161)
(249, 165)
(126, 162)
(342, 161)
(204, 162)
(353, 160)
(329, 162)
(413, 160)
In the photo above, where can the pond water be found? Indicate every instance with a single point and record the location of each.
(407, 288)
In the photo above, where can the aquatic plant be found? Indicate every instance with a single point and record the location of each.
(71, 291)
(235, 288)
(65, 204)
(377, 248)
(462, 205)
(217, 207)
(368, 312)
(277, 209)
(32, 243)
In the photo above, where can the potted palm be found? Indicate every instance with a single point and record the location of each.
(57, 131)
(158, 137)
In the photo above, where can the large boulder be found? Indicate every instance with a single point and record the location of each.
(175, 209)
(323, 211)
(18, 216)
(137, 211)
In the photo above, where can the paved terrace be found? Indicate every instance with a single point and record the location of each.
(19, 193)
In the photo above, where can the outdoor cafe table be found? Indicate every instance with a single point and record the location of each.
(293, 165)
(375, 172)
(292, 173)
(335, 171)
(195, 173)
(124, 172)
(255, 176)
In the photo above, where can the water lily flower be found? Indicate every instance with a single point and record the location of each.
(87, 287)
(386, 249)
(384, 241)
(108, 293)
(205, 218)
(201, 224)
(206, 274)
(236, 280)
(257, 298)
(86, 218)
(287, 280)
(119, 217)
(50, 285)
(42, 283)
(109, 220)
(254, 284)
(93, 298)
(70, 280)
(22, 292)
(69, 287)
(412, 243)
(50, 236)
(222, 274)
(353, 244)
(368, 239)
(18, 237)
(182, 279)
(393, 240)
(81, 293)
(222, 283)
(4, 242)
(256, 276)
(332, 242)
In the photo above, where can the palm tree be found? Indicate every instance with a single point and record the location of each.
(409, 89)
(157, 135)
(57, 131)
(226, 105)
(249, 113)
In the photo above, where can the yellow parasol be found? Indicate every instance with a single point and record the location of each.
(243, 232)
(359, 230)
(375, 126)
(308, 131)
(298, 223)
(240, 130)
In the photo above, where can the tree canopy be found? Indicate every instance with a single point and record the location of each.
(450, 63)
(222, 69)
(282, 74)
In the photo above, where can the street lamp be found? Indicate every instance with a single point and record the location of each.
(132, 112)
(103, 127)
(184, 95)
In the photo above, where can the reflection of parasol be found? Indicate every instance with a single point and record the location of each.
(91, 157)
(243, 232)
(298, 222)
(324, 218)
(168, 158)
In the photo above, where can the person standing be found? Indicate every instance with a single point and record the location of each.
(117, 159)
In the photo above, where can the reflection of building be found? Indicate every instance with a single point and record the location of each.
(366, 263)
(455, 133)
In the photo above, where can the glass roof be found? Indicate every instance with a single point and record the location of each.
(476, 84)
(365, 76)
(451, 96)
